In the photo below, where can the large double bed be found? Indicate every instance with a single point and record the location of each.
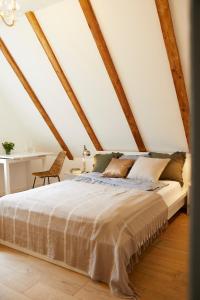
(98, 228)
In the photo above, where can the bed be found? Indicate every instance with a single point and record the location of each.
(174, 197)
(98, 229)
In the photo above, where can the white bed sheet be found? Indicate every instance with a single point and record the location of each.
(174, 196)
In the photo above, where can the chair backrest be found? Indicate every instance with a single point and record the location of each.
(58, 164)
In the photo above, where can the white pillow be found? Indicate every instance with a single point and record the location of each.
(148, 168)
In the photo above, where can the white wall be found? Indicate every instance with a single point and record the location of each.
(132, 31)
(10, 130)
(86, 72)
(134, 38)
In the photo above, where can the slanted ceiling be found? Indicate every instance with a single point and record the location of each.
(130, 105)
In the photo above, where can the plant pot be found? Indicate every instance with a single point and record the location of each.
(8, 152)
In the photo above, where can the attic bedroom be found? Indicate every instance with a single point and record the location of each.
(95, 152)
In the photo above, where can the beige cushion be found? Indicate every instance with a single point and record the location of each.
(118, 168)
(146, 168)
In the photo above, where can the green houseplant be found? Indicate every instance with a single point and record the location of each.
(8, 146)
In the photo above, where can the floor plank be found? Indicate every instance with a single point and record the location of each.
(42, 291)
(9, 294)
(162, 273)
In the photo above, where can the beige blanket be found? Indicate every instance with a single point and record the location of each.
(94, 228)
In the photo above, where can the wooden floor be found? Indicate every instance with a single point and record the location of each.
(161, 274)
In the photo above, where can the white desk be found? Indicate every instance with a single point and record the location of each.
(6, 160)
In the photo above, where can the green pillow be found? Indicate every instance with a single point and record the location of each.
(101, 161)
(174, 169)
(116, 154)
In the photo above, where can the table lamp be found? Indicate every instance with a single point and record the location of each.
(85, 153)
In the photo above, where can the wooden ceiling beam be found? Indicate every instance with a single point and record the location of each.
(108, 62)
(62, 77)
(33, 97)
(166, 23)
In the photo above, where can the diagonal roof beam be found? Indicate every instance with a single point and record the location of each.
(33, 97)
(175, 62)
(108, 62)
(62, 77)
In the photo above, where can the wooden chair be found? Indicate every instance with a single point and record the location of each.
(54, 171)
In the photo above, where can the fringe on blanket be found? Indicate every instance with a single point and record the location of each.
(135, 258)
(144, 245)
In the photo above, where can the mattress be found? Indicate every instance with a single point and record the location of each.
(173, 195)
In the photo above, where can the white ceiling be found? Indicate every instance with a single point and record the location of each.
(27, 5)
(132, 31)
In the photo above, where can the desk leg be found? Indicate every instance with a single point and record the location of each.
(7, 177)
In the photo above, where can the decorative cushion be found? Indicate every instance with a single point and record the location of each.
(174, 169)
(146, 168)
(101, 161)
(118, 168)
(117, 154)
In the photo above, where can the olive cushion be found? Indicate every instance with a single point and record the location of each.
(174, 168)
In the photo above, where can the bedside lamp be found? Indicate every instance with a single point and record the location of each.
(85, 153)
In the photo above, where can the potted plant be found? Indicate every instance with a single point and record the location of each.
(8, 146)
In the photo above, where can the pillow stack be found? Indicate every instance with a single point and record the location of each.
(151, 167)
